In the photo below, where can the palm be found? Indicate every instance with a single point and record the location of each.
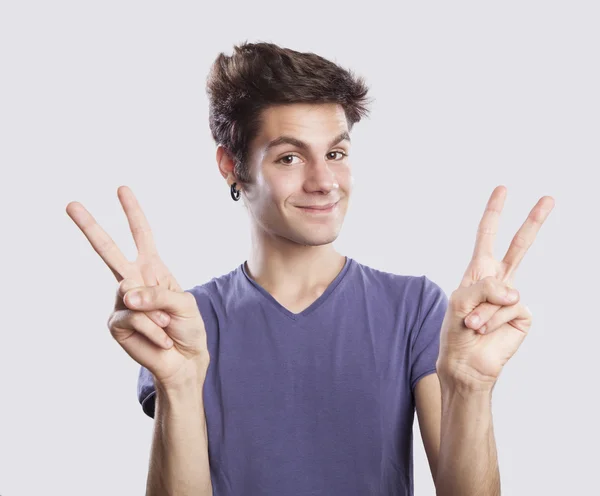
(484, 355)
(148, 270)
(483, 266)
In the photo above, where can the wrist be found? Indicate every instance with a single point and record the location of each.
(455, 379)
(461, 392)
(190, 377)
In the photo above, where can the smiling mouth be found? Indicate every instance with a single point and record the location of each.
(321, 209)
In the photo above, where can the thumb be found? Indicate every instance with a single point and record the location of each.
(147, 298)
(124, 286)
(161, 319)
(489, 289)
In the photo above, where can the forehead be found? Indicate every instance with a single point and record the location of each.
(313, 123)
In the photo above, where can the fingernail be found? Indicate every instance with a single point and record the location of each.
(473, 320)
(135, 298)
(483, 329)
(512, 295)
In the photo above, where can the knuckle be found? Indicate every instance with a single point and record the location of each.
(159, 318)
(454, 298)
(115, 323)
(136, 319)
(110, 320)
(140, 230)
(457, 301)
(116, 319)
(489, 283)
(151, 294)
(521, 242)
(491, 324)
(125, 285)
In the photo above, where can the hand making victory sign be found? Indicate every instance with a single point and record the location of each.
(165, 332)
(483, 327)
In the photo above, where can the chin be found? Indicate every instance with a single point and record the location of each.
(314, 238)
(317, 242)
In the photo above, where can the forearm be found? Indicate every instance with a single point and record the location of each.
(179, 464)
(467, 463)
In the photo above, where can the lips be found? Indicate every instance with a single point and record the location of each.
(319, 210)
(318, 207)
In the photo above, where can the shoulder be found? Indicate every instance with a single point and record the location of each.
(413, 298)
(217, 288)
(416, 288)
(224, 295)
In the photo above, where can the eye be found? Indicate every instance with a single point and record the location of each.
(285, 162)
(341, 153)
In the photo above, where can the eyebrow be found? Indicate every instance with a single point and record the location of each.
(301, 144)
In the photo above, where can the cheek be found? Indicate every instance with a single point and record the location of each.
(283, 186)
(274, 191)
(345, 178)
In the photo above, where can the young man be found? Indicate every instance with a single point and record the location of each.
(299, 372)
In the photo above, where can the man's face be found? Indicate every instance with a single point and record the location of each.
(301, 185)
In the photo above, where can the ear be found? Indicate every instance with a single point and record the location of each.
(226, 164)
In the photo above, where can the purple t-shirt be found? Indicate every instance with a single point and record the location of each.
(320, 402)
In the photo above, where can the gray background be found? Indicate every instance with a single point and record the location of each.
(469, 95)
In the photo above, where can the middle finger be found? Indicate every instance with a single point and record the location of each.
(138, 224)
(525, 236)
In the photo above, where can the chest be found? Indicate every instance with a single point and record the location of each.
(307, 377)
(294, 398)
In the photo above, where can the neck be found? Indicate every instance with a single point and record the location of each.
(286, 268)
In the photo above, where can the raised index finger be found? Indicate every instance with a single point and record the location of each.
(488, 226)
(99, 239)
(526, 235)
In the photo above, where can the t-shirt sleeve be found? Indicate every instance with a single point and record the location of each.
(146, 392)
(432, 306)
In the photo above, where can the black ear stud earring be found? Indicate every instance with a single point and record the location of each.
(235, 194)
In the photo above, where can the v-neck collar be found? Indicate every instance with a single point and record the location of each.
(313, 306)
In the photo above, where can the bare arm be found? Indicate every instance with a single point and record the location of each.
(484, 325)
(467, 462)
(179, 463)
(456, 428)
(428, 402)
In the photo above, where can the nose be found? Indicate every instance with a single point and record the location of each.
(320, 178)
